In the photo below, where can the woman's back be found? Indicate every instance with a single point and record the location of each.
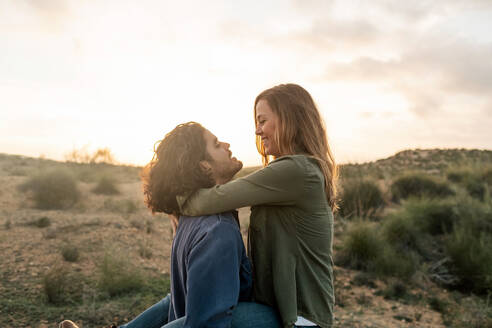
(290, 246)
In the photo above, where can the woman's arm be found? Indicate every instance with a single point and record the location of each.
(280, 183)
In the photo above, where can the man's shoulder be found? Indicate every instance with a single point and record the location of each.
(209, 223)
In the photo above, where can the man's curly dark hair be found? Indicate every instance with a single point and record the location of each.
(175, 168)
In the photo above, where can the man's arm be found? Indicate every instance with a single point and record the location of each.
(277, 184)
(213, 282)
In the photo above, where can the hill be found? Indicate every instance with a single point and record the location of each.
(103, 257)
(433, 161)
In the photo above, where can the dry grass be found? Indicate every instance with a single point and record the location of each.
(100, 222)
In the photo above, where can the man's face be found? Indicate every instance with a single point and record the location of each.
(222, 165)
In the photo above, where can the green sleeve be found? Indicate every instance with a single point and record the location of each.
(277, 184)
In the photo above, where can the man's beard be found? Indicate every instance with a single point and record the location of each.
(225, 172)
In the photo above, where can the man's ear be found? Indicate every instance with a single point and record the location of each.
(206, 167)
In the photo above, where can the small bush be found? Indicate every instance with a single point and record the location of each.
(399, 230)
(438, 304)
(459, 175)
(396, 289)
(7, 225)
(364, 279)
(55, 189)
(364, 300)
(471, 255)
(106, 186)
(62, 286)
(117, 275)
(475, 180)
(149, 226)
(145, 250)
(433, 216)
(361, 198)
(419, 185)
(476, 215)
(476, 188)
(126, 206)
(70, 253)
(361, 246)
(487, 176)
(470, 312)
(42, 222)
(391, 262)
(18, 171)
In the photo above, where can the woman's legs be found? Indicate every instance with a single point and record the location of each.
(255, 315)
(153, 317)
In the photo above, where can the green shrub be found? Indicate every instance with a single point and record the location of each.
(123, 206)
(391, 262)
(399, 230)
(361, 198)
(395, 289)
(106, 186)
(419, 185)
(474, 179)
(471, 256)
(470, 312)
(364, 279)
(433, 216)
(7, 225)
(476, 215)
(117, 275)
(438, 304)
(476, 188)
(61, 286)
(42, 222)
(459, 175)
(56, 189)
(487, 176)
(70, 253)
(360, 246)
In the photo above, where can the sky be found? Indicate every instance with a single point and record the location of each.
(386, 75)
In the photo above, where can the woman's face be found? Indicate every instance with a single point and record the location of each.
(266, 125)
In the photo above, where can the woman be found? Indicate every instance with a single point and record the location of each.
(292, 199)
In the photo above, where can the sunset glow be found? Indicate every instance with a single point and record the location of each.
(386, 75)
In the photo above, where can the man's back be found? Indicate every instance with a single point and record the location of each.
(210, 272)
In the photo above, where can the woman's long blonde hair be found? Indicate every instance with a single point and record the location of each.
(300, 130)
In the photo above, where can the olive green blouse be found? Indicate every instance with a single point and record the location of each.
(290, 235)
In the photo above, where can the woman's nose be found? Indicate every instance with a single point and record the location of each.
(258, 130)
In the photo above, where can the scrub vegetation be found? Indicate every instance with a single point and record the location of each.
(52, 189)
(106, 186)
(436, 229)
(412, 246)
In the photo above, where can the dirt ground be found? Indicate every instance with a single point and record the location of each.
(97, 223)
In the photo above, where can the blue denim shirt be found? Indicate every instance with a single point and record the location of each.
(210, 272)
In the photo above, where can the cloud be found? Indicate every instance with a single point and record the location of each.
(427, 73)
(48, 6)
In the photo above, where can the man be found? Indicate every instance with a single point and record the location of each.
(210, 272)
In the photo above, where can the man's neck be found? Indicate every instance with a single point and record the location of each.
(220, 181)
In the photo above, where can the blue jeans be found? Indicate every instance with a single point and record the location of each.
(256, 315)
(155, 317)
(245, 315)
